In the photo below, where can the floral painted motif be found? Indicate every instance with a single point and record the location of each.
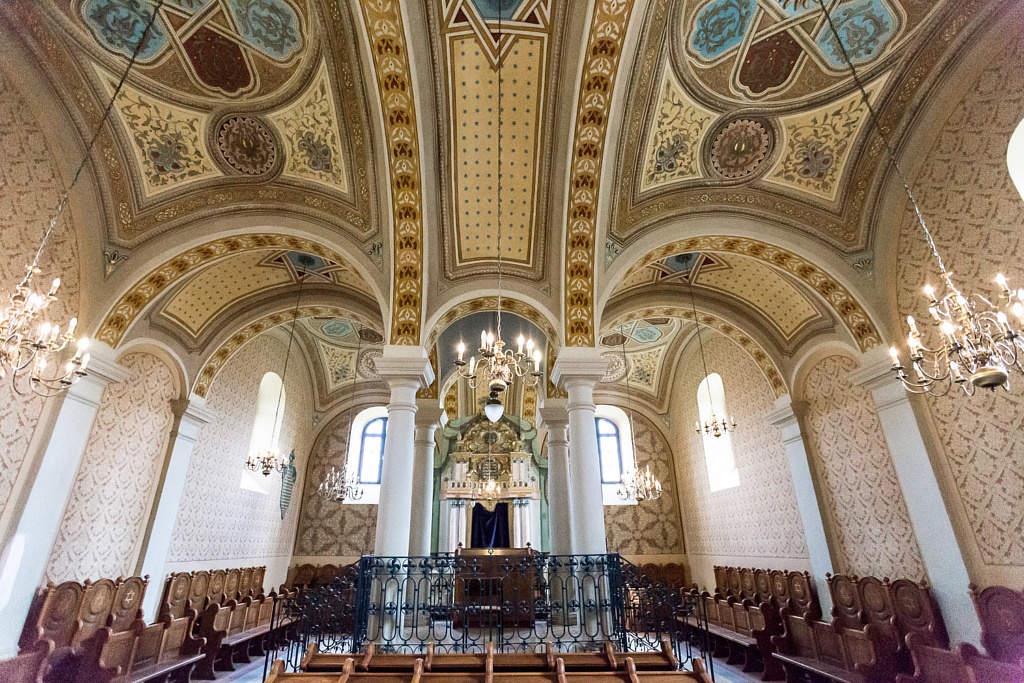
(120, 25)
(247, 145)
(771, 39)
(674, 137)
(740, 148)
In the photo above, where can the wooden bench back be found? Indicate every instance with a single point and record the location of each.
(939, 665)
(916, 611)
(175, 632)
(198, 589)
(57, 620)
(1001, 612)
(846, 605)
(763, 584)
(149, 642)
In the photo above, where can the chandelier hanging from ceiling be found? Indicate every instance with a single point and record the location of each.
(974, 345)
(34, 354)
(341, 485)
(269, 459)
(716, 426)
(497, 366)
(633, 484)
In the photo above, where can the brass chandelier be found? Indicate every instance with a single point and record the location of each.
(270, 459)
(716, 426)
(634, 484)
(34, 354)
(341, 485)
(499, 367)
(976, 346)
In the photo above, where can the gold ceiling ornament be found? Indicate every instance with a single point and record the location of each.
(384, 26)
(716, 426)
(499, 367)
(977, 346)
(635, 484)
(270, 459)
(33, 352)
(341, 485)
(604, 49)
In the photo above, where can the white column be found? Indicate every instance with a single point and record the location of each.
(578, 369)
(428, 417)
(189, 417)
(456, 523)
(787, 417)
(24, 560)
(521, 523)
(406, 369)
(940, 550)
(555, 417)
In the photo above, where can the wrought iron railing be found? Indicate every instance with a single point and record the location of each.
(460, 603)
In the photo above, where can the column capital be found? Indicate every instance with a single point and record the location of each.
(579, 365)
(875, 374)
(401, 365)
(787, 416)
(103, 371)
(554, 413)
(428, 413)
(191, 414)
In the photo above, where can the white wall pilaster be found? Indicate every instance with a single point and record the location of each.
(578, 369)
(932, 522)
(555, 417)
(190, 416)
(787, 416)
(428, 417)
(406, 369)
(24, 559)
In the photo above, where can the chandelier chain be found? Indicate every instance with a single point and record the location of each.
(501, 111)
(287, 357)
(700, 343)
(63, 202)
(876, 120)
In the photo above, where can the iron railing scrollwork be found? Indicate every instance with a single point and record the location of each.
(461, 603)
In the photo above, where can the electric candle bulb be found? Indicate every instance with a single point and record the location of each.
(947, 328)
(483, 339)
(490, 339)
(529, 346)
(462, 350)
(929, 291)
(520, 342)
(913, 324)
(1018, 310)
(536, 357)
(72, 324)
(55, 286)
(44, 332)
(1001, 281)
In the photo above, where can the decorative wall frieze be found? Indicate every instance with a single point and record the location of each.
(597, 84)
(384, 26)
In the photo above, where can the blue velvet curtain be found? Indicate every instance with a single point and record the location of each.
(490, 529)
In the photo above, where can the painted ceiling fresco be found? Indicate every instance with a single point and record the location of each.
(344, 348)
(641, 350)
(757, 285)
(749, 105)
(473, 51)
(232, 102)
(192, 307)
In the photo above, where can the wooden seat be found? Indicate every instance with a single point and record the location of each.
(162, 651)
(832, 651)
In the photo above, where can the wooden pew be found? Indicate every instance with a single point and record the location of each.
(161, 651)
(741, 632)
(831, 651)
(490, 672)
(228, 641)
(1001, 613)
(963, 665)
(29, 666)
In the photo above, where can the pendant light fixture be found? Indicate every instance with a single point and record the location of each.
(34, 354)
(976, 346)
(499, 367)
(715, 426)
(341, 485)
(270, 460)
(635, 484)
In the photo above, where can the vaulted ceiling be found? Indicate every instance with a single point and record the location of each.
(656, 156)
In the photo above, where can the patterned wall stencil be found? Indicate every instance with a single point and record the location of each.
(329, 528)
(217, 519)
(863, 499)
(758, 519)
(649, 528)
(106, 516)
(976, 215)
(29, 186)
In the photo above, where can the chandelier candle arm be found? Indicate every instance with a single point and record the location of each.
(978, 347)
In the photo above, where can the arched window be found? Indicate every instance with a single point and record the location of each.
(366, 451)
(1015, 158)
(371, 450)
(614, 451)
(266, 429)
(718, 453)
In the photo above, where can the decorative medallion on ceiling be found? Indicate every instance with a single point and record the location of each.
(641, 350)
(229, 48)
(474, 54)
